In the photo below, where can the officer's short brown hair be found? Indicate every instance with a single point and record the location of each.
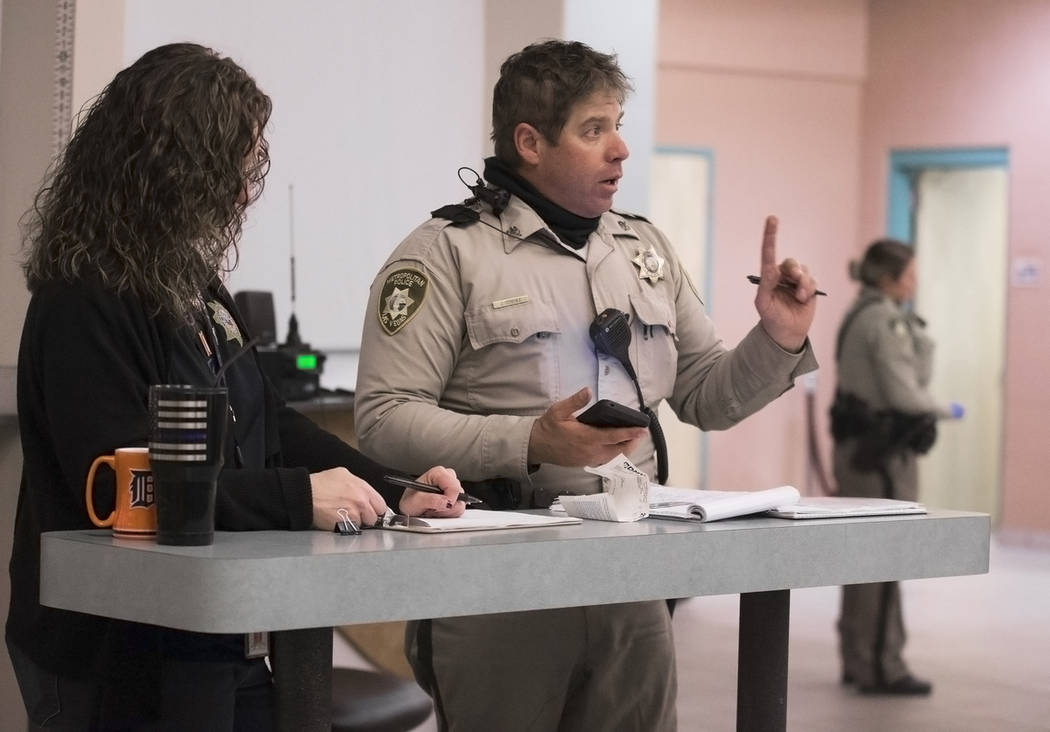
(541, 83)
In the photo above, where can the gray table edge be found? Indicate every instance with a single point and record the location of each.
(255, 581)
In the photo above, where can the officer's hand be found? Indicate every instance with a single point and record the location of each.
(339, 488)
(956, 410)
(559, 438)
(786, 299)
(419, 503)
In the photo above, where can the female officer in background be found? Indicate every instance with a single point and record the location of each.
(882, 418)
(126, 244)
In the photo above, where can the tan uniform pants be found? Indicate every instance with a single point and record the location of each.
(586, 669)
(871, 624)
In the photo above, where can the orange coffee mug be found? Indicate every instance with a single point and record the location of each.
(136, 512)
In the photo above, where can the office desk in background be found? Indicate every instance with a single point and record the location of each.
(307, 582)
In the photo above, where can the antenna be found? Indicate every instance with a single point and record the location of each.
(293, 338)
(292, 366)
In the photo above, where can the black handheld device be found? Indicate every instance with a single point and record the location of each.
(611, 334)
(607, 413)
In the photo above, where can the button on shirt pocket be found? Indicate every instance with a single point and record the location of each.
(511, 362)
(653, 333)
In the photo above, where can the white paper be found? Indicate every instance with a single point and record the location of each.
(624, 496)
(598, 507)
(477, 521)
(846, 506)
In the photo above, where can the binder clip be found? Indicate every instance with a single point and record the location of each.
(345, 526)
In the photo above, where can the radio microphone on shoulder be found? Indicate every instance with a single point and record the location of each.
(496, 198)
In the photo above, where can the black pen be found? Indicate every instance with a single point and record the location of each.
(427, 488)
(755, 279)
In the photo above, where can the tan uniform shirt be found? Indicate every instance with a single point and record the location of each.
(498, 330)
(887, 358)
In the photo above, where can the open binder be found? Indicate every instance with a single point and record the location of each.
(689, 504)
(815, 507)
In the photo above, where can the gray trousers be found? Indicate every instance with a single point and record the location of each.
(607, 667)
(871, 633)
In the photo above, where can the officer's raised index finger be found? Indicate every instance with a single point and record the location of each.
(769, 243)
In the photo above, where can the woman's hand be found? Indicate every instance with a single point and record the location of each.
(338, 488)
(419, 503)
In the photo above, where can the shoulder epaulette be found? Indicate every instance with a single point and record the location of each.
(629, 215)
(458, 213)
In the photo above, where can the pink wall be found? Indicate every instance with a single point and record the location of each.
(775, 92)
(801, 104)
(967, 73)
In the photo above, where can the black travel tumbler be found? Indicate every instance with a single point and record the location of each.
(186, 446)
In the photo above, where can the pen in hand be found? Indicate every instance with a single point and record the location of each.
(755, 279)
(427, 488)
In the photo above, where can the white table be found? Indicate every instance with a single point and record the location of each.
(307, 582)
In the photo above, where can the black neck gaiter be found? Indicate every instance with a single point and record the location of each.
(570, 228)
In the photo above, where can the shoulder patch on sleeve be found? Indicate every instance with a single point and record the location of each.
(402, 296)
(457, 213)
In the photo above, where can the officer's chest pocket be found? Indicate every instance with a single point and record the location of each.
(511, 365)
(653, 333)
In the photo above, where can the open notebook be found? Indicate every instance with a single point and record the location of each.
(476, 520)
(690, 504)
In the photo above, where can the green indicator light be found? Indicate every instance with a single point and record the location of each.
(306, 362)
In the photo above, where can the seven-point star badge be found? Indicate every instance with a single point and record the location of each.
(403, 293)
(650, 264)
(224, 320)
(397, 304)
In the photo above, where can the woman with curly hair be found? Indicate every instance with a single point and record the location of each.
(126, 244)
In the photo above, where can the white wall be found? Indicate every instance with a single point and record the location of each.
(628, 29)
(376, 104)
(375, 107)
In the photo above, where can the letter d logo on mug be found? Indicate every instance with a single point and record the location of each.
(135, 514)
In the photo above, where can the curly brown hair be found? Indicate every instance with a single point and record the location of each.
(540, 84)
(150, 193)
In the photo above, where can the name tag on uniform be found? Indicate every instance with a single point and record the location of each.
(510, 301)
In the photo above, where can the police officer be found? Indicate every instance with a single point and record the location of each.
(885, 361)
(476, 350)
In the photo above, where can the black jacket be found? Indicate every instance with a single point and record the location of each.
(85, 364)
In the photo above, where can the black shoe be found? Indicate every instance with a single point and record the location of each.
(904, 686)
(847, 678)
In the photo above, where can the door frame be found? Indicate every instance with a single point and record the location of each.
(906, 164)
